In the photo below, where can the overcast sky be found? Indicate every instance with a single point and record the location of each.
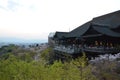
(35, 19)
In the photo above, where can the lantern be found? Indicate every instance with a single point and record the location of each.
(96, 43)
(101, 43)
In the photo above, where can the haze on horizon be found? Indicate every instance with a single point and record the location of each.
(35, 19)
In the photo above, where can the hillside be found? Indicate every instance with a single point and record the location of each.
(17, 63)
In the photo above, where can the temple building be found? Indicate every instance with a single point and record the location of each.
(101, 35)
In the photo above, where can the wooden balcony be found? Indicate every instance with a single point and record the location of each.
(101, 50)
(73, 50)
(70, 50)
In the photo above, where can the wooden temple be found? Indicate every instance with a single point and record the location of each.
(101, 35)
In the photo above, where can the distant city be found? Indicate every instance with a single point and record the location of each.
(17, 41)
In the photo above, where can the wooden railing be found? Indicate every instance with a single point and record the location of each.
(101, 50)
(72, 50)
(69, 49)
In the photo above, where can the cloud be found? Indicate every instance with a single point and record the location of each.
(3, 3)
(12, 5)
(16, 5)
(9, 5)
(36, 18)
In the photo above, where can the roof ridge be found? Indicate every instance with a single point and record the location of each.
(118, 11)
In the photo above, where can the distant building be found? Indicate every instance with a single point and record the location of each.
(100, 35)
(51, 42)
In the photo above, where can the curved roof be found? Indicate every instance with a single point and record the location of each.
(60, 35)
(112, 20)
(106, 31)
(78, 32)
(102, 24)
(108, 25)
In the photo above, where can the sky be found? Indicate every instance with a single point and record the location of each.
(35, 19)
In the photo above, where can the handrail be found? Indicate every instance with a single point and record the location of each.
(72, 50)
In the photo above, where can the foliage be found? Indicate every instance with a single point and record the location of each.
(107, 70)
(20, 53)
(8, 49)
(22, 66)
(13, 68)
(48, 55)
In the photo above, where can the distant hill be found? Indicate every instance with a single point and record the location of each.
(19, 40)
